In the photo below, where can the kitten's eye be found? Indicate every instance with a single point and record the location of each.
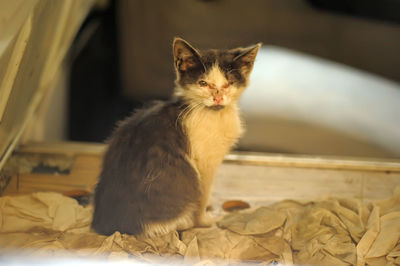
(202, 83)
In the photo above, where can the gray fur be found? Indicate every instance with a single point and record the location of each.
(145, 176)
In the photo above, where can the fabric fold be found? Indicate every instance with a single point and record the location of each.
(325, 232)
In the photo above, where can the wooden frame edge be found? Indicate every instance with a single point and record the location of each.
(239, 157)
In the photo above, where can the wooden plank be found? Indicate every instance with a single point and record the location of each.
(29, 183)
(87, 168)
(257, 183)
(267, 183)
(12, 187)
(237, 157)
(83, 175)
(66, 147)
(257, 178)
(259, 174)
(312, 161)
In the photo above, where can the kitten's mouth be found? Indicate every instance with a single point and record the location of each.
(216, 107)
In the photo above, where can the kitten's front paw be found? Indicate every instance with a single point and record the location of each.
(205, 220)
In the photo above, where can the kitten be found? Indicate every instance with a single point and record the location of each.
(160, 163)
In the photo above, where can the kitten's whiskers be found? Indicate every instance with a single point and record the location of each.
(187, 110)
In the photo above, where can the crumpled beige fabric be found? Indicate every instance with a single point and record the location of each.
(47, 210)
(324, 232)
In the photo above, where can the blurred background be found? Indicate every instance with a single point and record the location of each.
(326, 81)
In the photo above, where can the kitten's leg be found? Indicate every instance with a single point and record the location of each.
(184, 222)
(203, 217)
(182, 226)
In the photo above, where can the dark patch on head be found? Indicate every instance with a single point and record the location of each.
(208, 58)
(232, 69)
(187, 61)
(238, 63)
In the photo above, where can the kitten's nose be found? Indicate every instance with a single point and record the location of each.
(218, 99)
(218, 95)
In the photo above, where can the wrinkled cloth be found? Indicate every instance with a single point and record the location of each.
(324, 232)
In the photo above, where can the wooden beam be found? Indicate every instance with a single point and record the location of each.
(314, 161)
(249, 158)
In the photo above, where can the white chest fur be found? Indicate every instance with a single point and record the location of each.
(211, 135)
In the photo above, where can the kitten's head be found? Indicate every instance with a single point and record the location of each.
(213, 78)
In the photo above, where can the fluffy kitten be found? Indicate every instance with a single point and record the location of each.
(160, 163)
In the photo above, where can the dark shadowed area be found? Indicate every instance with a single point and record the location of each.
(322, 66)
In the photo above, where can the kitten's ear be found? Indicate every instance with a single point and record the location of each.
(246, 57)
(186, 57)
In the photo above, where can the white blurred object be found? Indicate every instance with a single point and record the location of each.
(303, 104)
